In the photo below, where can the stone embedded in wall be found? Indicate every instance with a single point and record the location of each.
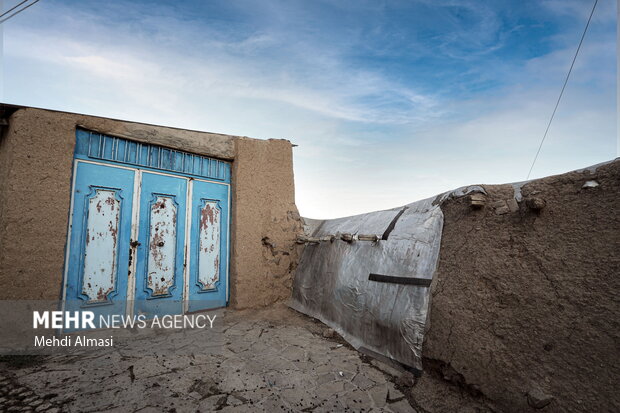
(538, 399)
(590, 184)
(535, 203)
(513, 205)
(500, 207)
(477, 200)
(504, 206)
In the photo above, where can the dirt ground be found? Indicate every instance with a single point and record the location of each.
(270, 360)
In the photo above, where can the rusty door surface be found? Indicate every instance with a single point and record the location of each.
(99, 239)
(209, 246)
(148, 231)
(160, 248)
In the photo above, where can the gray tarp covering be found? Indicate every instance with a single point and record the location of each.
(332, 280)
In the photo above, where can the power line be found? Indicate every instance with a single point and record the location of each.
(12, 8)
(18, 11)
(563, 87)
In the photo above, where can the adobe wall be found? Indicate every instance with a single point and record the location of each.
(36, 155)
(265, 216)
(525, 304)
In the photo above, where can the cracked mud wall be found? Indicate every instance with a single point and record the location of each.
(5, 160)
(266, 224)
(525, 304)
(36, 157)
(36, 199)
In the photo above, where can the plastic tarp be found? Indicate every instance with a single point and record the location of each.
(387, 318)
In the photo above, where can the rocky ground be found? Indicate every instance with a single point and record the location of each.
(270, 360)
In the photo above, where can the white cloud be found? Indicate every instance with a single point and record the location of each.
(367, 141)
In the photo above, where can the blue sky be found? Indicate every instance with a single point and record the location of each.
(389, 101)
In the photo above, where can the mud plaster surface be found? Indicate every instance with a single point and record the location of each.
(527, 302)
(266, 224)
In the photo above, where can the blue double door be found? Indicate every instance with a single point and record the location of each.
(143, 242)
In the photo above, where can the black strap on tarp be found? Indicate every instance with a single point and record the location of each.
(394, 279)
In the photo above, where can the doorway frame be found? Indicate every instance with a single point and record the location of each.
(135, 226)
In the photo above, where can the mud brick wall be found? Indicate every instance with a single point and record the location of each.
(265, 216)
(525, 303)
